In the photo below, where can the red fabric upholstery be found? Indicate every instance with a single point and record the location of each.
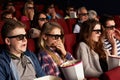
(113, 74)
(1, 41)
(18, 14)
(71, 23)
(18, 7)
(63, 24)
(70, 41)
(27, 23)
(39, 7)
(93, 78)
(117, 21)
(31, 45)
(59, 11)
(1, 24)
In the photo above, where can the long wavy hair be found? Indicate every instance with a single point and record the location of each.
(25, 7)
(36, 18)
(47, 28)
(85, 36)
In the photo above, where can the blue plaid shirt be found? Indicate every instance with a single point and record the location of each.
(49, 65)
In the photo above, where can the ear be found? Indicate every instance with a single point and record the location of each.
(44, 37)
(7, 41)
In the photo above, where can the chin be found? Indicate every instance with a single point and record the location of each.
(54, 48)
(23, 50)
(96, 40)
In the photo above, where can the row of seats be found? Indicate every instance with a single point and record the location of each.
(19, 6)
(67, 24)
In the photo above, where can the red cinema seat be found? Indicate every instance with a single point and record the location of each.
(31, 45)
(39, 7)
(27, 23)
(93, 78)
(113, 74)
(71, 23)
(70, 42)
(117, 21)
(59, 11)
(1, 41)
(1, 24)
(18, 14)
(63, 24)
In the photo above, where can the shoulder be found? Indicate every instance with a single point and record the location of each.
(4, 55)
(30, 54)
(83, 44)
(42, 54)
(67, 17)
(4, 60)
(76, 25)
(24, 18)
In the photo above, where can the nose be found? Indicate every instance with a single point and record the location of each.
(57, 38)
(24, 39)
(100, 33)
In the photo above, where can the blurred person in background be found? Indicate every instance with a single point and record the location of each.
(6, 15)
(9, 6)
(92, 14)
(82, 16)
(50, 11)
(28, 11)
(70, 12)
(39, 19)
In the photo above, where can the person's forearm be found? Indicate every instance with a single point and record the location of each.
(114, 49)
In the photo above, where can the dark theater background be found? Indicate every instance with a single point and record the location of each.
(101, 6)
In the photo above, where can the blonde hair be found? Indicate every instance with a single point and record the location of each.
(25, 7)
(47, 28)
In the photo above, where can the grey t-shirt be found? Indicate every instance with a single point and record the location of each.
(24, 68)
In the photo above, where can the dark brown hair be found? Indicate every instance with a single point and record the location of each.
(9, 26)
(85, 34)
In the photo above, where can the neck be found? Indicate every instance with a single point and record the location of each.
(16, 54)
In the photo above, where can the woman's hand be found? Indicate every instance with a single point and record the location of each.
(117, 34)
(111, 38)
(60, 46)
(31, 14)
